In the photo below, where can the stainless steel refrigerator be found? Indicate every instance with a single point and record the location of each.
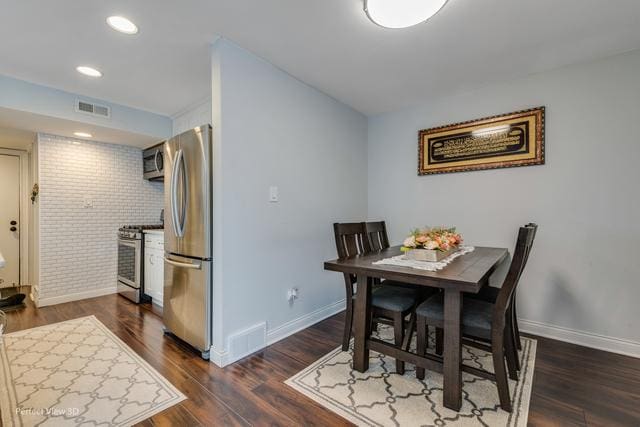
(188, 242)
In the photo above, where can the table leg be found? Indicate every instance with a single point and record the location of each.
(362, 318)
(452, 349)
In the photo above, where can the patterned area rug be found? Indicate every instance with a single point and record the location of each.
(380, 397)
(77, 373)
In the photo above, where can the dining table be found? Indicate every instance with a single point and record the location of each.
(467, 273)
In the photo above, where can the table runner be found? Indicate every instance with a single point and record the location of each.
(403, 261)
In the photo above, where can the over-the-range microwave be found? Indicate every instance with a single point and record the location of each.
(153, 162)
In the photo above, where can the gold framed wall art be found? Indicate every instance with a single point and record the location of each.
(504, 141)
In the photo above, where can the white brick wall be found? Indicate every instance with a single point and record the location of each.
(78, 245)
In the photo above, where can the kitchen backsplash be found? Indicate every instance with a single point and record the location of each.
(87, 191)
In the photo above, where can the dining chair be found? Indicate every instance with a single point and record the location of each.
(483, 321)
(376, 232)
(390, 303)
(490, 294)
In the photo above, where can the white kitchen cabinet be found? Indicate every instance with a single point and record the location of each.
(154, 266)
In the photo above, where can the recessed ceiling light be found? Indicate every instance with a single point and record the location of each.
(122, 24)
(88, 71)
(401, 13)
(83, 134)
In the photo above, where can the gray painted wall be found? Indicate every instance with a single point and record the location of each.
(583, 273)
(273, 130)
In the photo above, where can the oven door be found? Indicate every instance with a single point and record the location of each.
(129, 270)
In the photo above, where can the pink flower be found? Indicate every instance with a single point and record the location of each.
(422, 239)
(431, 245)
(409, 242)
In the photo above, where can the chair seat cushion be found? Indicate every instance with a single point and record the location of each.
(393, 298)
(477, 315)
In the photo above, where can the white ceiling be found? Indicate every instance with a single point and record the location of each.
(328, 44)
(16, 139)
(18, 130)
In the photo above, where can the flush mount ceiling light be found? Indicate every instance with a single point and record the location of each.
(88, 71)
(122, 24)
(83, 134)
(401, 13)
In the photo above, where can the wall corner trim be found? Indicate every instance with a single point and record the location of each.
(218, 358)
(586, 339)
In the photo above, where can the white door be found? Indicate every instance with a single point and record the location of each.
(10, 219)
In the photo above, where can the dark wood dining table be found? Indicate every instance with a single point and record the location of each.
(467, 273)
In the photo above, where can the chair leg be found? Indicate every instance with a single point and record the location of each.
(516, 329)
(374, 326)
(421, 342)
(513, 339)
(348, 324)
(497, 351)
(398, 336)
(406, 345)
(510, 353)
(439, 341)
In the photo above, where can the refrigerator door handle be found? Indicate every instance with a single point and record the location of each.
(184, 193)
(174, 195)
(196, 266)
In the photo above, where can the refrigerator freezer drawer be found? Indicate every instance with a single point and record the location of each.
(187, 300)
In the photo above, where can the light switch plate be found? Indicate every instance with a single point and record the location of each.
(273, 194)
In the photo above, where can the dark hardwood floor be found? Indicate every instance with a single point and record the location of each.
(572, 385)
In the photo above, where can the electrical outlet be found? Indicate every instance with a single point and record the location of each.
(292, 294)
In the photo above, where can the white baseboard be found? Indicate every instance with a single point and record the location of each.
(218, 358)
(303, 322)
(224, 358)
(42, 302)
(586, 339)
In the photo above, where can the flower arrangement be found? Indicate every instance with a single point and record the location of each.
(436, 239)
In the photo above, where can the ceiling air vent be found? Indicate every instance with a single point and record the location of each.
(93, 109)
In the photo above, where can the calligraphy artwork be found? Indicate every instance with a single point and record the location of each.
(508, 140)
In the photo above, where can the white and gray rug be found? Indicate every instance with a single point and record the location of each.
(380, 397)
(77, 373)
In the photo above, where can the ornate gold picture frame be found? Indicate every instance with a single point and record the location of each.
(504, 141)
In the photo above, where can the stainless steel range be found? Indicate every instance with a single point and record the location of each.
(130, 261)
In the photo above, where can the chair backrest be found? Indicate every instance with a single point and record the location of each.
(524, 244)
(535, 230)
(377, 234)
(351, 239)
